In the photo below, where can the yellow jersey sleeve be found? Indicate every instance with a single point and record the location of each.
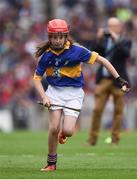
(93, 57)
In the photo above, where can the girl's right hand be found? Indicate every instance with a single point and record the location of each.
(46, 101)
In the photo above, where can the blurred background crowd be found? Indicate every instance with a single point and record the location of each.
(23, 26)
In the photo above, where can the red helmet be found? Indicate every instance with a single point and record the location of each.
(57, 25)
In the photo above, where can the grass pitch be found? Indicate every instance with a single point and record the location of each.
(23, 153)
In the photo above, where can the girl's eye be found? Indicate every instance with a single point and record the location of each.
(60, 38)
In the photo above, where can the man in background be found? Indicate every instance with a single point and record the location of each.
(116, 48)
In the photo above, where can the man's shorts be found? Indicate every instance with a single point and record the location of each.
(67, 96)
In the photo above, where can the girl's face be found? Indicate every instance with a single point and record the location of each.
(57, 41)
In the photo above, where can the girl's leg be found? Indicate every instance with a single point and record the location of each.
(70, 117)
(54, 128)
(68, 126)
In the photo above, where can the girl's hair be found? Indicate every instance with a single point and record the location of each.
(41, 48)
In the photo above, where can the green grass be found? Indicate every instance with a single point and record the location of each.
(22, 154)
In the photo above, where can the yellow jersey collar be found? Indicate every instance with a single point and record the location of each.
(66, 46)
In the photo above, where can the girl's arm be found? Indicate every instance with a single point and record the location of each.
(123, 84)
(108, 65)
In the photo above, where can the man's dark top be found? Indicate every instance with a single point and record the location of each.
(117, 54)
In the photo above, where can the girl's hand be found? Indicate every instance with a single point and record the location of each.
(124, 85)
(46, 101)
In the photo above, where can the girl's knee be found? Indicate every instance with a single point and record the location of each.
(68, 132)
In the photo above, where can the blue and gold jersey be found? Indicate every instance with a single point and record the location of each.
(64, 68)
